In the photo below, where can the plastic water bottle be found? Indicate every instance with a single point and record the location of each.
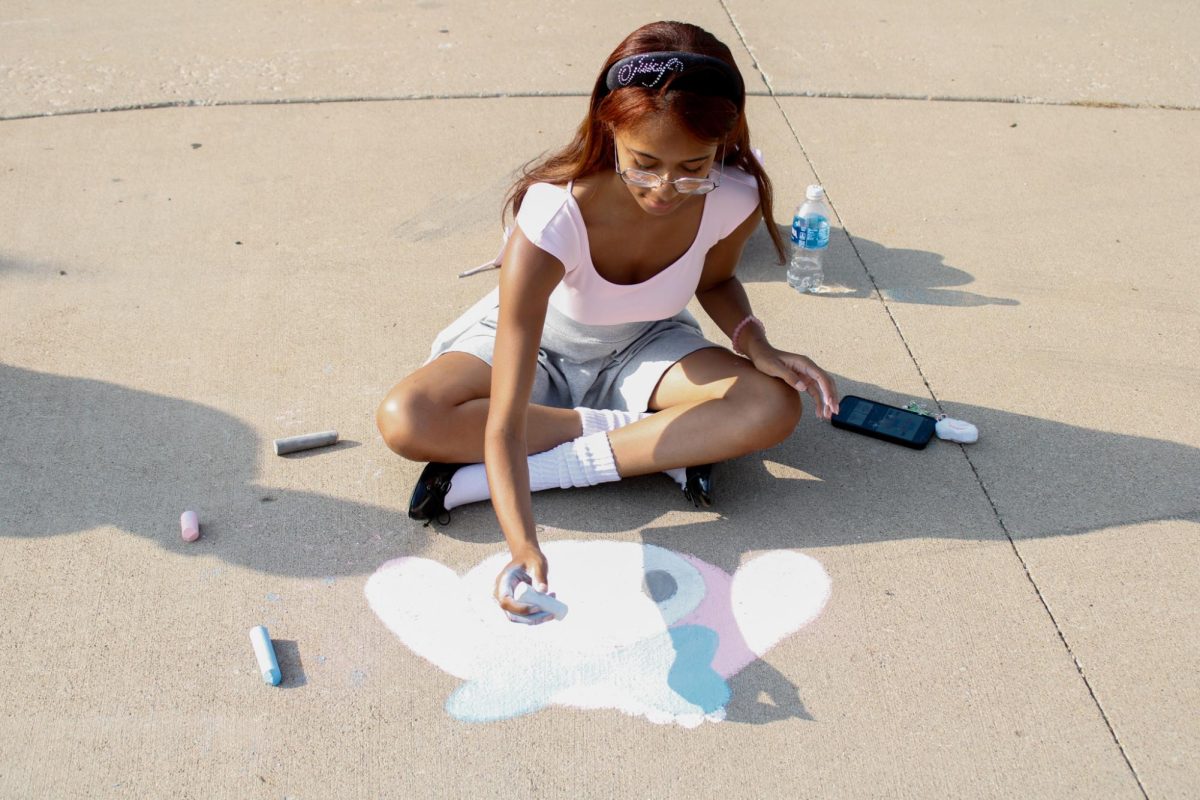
(810, 240)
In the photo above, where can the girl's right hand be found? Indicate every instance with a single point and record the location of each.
(528, 565)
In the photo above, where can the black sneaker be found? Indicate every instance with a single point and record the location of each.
(698, 485)
(428, 501)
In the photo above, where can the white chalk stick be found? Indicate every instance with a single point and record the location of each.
(306, 441)
(189, 526)
(268, 665)
(551, 605)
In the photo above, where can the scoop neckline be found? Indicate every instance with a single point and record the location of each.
(587, 242)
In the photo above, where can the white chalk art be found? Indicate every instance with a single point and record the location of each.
(649, 631)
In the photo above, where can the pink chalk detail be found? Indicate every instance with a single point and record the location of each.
(716, 611)
(189, 525)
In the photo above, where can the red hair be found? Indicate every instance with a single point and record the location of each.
(707, 117)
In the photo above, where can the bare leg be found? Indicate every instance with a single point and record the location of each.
(439, 412)
(711, 406)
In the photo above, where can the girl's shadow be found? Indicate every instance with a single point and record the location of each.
(80, 453)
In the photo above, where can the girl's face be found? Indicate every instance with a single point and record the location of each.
(666, 149)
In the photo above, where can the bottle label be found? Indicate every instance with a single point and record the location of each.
(817, 232)
(799, 230)
(810, 232)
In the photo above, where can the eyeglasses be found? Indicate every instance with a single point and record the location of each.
(650, 180)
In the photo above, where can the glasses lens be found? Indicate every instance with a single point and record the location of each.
(694, 186)
(637, 177)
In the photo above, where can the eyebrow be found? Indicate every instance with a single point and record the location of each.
(651, 157)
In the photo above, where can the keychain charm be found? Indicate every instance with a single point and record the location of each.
(948, 428)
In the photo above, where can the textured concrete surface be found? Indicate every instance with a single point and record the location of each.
(1095, 53)
(179, 286)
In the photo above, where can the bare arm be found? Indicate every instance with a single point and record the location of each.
(720, 292)
(724, 299)
(527, 277)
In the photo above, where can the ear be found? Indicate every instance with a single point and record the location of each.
(775, 595)
(423, 603)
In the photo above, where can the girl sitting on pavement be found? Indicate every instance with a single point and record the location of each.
(584, 366)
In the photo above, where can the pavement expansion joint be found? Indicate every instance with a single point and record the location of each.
(1001, 100)
(978, 478)
(519, 95)
(750, 52)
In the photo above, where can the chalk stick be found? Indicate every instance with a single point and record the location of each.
(189, 526)
(306, 441)
(268, 665)
(551, 605)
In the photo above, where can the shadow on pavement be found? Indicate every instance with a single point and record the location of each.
(904, 276)
(79, 453)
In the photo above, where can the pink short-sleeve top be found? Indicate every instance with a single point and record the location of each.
(551, 219)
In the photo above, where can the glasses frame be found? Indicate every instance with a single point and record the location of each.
(713, 177)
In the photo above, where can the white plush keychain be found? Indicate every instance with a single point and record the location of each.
(948, 428)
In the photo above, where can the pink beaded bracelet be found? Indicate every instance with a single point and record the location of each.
(733, 340)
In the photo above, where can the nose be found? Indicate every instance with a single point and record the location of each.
(666, 191)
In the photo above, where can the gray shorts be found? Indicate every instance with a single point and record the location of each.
(596, 366)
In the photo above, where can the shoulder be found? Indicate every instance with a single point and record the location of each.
(543, 199)
(548, 220)
(736, 198)
(738, 183)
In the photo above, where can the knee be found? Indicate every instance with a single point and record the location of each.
(399, 419)
(771, 411)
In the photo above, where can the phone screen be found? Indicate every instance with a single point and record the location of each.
(888, 421)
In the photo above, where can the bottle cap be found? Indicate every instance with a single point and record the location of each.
(815, 192)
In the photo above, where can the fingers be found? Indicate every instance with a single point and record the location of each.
(510, 578)
(538, 571)
(820, 387)
(523, 613)
(506, 587)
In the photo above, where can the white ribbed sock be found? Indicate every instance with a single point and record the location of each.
(597, 420)
(468, 485)
(607, 419)
(678, 474)
(586, 461)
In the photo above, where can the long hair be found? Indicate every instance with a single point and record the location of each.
(707, 117)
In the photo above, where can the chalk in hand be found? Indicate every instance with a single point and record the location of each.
(509, 581)
(268, 665)
(189, 526)
(548, 603)
(306, 441)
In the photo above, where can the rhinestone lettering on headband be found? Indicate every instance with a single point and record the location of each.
(648, 70)
(643, 65)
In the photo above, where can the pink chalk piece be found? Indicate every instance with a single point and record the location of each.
(189, 525)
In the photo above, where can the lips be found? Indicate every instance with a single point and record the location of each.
(660, 206)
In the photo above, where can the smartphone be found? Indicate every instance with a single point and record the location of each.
(884, 422)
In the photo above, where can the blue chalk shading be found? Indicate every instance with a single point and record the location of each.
(692, 676)
(512, 689)
(329, 581)
(268, 664)
(273, 598)
(491, 700)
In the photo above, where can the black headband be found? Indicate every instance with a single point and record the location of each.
(649, 70)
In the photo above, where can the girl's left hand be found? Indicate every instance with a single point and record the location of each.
(801, 372)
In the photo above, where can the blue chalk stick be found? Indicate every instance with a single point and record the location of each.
(268, 665)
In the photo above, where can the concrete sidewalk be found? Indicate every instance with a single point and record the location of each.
(260, 233)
